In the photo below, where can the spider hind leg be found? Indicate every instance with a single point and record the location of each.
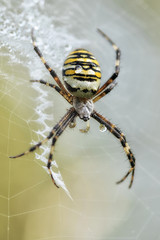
(111, 82)
(51, 71)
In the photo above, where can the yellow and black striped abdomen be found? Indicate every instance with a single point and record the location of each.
(81, 73)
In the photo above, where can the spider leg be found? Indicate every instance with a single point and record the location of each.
(54, 130)
(118, 134)
(71, 116)
(72, 124)
(105, 92)
(69, 98)
(52, 72)
(111, 80)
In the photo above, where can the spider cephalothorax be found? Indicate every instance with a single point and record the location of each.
(81, 74)
(84, 107)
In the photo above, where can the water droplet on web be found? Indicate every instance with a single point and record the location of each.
(102, 128)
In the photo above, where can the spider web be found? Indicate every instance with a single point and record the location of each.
(31, 207)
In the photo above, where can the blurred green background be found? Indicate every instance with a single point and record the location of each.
(31, 207)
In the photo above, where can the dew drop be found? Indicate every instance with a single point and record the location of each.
(102, 128)
(78, 69)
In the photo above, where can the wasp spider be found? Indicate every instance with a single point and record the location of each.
(81, 74)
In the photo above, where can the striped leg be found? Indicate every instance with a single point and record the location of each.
(111, 81)
(54, 130)
(66, 96)
(52, 72)
(118, 134)
(105, 92)
(71, 116)
(72, 124)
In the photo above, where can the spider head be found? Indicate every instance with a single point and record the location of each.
(85, 119)
(83, 107)
(81, 73)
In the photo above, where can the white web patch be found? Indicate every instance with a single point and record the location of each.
(43, 104)
(31, 207)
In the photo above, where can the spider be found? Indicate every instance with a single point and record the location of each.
(81, 74)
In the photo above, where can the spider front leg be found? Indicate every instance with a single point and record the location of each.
(50, 135)
(36, 146)
(70, 118)
(118, 134)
